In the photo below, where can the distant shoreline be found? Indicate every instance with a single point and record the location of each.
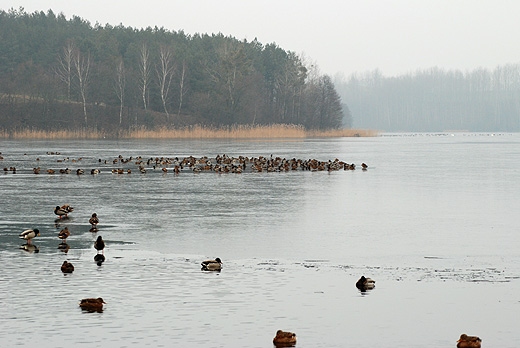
(277, 131)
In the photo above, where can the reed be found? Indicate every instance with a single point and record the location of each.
(52, 135)
(277, 131)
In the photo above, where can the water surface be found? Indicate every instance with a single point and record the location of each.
(432, 220)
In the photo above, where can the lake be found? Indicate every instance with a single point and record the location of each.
(433, 220)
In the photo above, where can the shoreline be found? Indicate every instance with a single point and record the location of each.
(279, 131)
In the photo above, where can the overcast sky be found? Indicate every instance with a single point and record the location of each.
(347, 36)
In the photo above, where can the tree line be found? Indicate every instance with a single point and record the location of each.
(57, 72)
(435, 100)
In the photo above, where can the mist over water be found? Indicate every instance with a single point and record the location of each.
(432, 220)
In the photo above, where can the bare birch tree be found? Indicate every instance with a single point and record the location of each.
(165, 70)
(144, 73)
(82, 70)
(120, 86)
(64, 71)
(182, 89)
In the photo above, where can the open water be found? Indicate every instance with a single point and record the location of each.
(434, 220)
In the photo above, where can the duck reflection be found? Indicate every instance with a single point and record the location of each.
(99, 259)
(64, 247)
(30, 248)
(57, 221)
(93, 229)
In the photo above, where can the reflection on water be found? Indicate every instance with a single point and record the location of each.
(432, 224)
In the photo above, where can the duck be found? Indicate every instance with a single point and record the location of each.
(284, 339)
(466, 341)
(99, 244)
(212, 265)
(92, 304)
(29, 234)
(63, 211)
(64, 234)
(93, 220)
(67, 267)
(365, 283)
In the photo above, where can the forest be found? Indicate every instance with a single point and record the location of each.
(58, 73)
(435, 100)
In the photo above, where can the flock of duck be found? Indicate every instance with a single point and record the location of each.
(281, 339)
(62, 212)
(218, 164)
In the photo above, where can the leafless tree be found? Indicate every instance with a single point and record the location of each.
(144, 72)
(64, 71)
(82, 70)
(120, 86)
(165, 70)
(182, 89)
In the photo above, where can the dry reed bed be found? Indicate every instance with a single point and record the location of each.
(192, 132)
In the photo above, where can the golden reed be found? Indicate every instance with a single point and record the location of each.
(277, 131)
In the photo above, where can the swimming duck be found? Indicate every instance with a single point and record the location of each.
(67, 267)
(92, 304)
(284, 339)
(64, 234)
(365, 283)
(211, 265)
(28, 235)
(93, 220)
(466, 341)
(99, 244)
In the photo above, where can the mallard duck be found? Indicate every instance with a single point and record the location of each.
(99, 244)
(63, 211)
(67, 267)
(93, 220)
(466, 341)
(365, 283)
(211, 265)
(28, 235)
(284, 339)
(60, 212)
(64, 234)
(92, 304)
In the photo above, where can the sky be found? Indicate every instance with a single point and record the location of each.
(339, 36)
